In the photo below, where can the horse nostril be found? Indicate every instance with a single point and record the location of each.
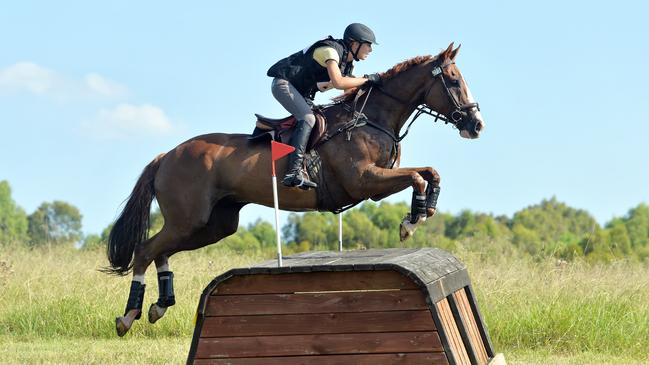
(478, 127)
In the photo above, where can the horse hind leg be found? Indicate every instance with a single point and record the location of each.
(144, 255)
(133, 308)
(223, 222)
(166, 297)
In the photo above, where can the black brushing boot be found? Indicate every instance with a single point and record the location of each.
(166, 296)
(135, 298)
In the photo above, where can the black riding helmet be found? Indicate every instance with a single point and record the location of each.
(360, 33)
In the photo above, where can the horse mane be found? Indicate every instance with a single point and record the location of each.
(395, 70)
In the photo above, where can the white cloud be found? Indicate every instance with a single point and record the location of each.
(27, 76)
(103, 86)
(35, 79)
(121, 121)
(126, 120)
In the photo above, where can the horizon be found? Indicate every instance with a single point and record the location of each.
(270, 220)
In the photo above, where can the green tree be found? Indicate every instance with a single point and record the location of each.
(241, 242)
(360, 232)
(469, 224)
(555, 222)
(385, 216)
(619, 240)
(526, 239)
(597, 246)
(637, 225)
(13, 220)
(55, 223)
(550, 228)
(432, 233)
(263, 232)
(92, 241)
(319, 229)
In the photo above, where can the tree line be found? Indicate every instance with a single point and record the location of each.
(549, 228)
(54, 222)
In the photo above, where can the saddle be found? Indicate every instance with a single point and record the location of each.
(281, 129)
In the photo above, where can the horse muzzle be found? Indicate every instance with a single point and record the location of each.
(469, 123)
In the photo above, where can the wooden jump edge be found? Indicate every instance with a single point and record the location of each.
(499, 359)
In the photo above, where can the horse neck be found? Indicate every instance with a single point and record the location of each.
(390, 112)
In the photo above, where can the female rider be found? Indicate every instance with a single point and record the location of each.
(326, 64)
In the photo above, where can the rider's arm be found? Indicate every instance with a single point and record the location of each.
(339, 81)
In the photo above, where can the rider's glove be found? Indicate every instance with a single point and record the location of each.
(373, 79)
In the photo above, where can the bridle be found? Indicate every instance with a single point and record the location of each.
(457, 116)
(460, 111)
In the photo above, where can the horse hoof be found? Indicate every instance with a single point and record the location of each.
(156, 312)
(404, 233)
(121, 326)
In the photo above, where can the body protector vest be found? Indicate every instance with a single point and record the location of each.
(303, 72)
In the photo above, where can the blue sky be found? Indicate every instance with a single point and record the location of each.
(90, 93)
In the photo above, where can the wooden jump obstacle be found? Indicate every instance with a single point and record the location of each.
(394, 306)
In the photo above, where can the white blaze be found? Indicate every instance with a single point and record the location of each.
(471, 100)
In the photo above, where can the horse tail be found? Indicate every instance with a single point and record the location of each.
(132, 226)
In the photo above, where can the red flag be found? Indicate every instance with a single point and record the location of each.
(279, 150)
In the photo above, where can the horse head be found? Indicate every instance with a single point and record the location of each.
(448, 93)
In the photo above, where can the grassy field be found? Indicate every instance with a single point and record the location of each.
(55, 307)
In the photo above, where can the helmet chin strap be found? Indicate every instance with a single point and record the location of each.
(355, 53)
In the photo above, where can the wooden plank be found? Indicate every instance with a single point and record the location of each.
(484, 334)
(452, 332)
(444, 312)
(437, 358)
(462, 329)
(236, 305)
(472, 327)
(299, 324)
(329, 344)
(459, 350)
(314, 282)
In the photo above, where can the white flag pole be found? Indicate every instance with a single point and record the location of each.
(276, 201)
(340, 231)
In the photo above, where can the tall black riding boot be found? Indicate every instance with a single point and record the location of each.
(294, 174)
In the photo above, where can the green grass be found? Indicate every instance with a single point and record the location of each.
(565, 309)
(60, 293)
(55, 307)
(89, 351)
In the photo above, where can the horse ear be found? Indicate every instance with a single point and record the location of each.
(454, 53)
(447, 51)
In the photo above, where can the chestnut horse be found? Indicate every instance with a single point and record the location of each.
(202, 184)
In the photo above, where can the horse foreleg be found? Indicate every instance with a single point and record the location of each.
(380, 182)
(166, 297)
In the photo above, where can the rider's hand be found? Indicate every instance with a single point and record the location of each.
(373, 79)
